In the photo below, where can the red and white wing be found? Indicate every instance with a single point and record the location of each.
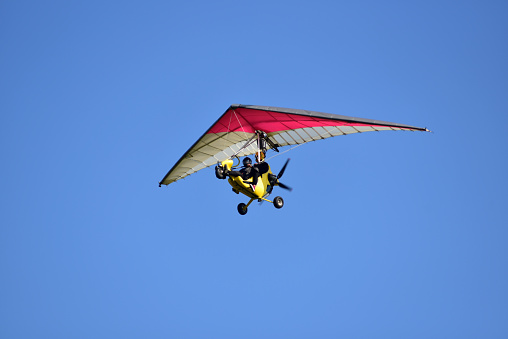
(284, 126)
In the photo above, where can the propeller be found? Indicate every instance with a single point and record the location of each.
(286, 187)
(283, 169)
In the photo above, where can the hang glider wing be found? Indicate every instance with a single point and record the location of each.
(284, 126)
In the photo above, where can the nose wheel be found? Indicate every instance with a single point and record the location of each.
(242, 208)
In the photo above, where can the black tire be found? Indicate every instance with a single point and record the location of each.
(242, 208)
(278, 202)
(219, 172)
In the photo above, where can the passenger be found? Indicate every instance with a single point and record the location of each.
(260, 167)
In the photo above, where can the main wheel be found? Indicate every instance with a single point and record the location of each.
(219, 172)
(242, 208)
(278, 202)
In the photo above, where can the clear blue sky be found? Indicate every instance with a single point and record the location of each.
(385, 235)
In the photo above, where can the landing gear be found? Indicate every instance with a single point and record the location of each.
(278, 202)
(242, 208)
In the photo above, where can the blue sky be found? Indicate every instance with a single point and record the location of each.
(385, 235)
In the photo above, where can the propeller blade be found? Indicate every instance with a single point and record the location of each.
(286, 187)
(283, 169)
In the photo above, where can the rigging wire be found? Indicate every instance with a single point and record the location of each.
(249, 142)
(280, 153)
(236, 116)
(229, 125)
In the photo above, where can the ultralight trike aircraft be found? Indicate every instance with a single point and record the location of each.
(266, 181)
(246, 130)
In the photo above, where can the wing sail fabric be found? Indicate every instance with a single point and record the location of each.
(283, 125)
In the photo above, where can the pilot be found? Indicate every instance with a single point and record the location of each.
(247, 172)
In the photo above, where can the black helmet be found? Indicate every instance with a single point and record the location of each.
(247, 161)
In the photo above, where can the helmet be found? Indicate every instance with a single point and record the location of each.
(247, 161)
